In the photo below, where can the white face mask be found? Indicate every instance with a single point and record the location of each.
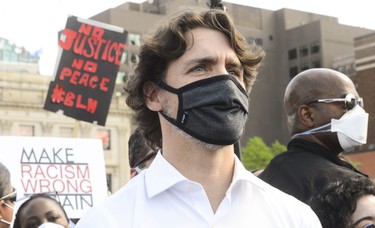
(351, 128)
(50, 225)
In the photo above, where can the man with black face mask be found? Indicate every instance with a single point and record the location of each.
(190, 93)
(325, 117)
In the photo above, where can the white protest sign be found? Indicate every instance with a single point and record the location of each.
(72, 168)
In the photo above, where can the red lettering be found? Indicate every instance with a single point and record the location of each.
(69, 99)
(58, 185)
(44, 185)
(94, 82)
(73, 100)
(98, 48)
(39, 172)
(79, 44)
(72, 185)
(84, 79)
(77, 63)
(89, 188)
(112, 53)
(26, 169)
(90, 67)
(85, 173)
(65, 72)
(69, 170)
(75, 77)
(103, 84)
(85, 29)
(91, 105)
(105, 52)
(29, 185)
(79, 103)
(89, 53)
(98, 32)
(120, 50)
(49, 173)
(68, 35)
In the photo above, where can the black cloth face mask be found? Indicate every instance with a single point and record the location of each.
(212, 110)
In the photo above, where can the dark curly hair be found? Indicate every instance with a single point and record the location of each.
(168, 43)
(337, 202)
(17, 221)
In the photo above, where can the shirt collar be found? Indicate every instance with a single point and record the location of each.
(161, 175)
(242, 174)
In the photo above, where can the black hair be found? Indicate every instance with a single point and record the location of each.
(17, 221)
(138, 149)
(337, 202)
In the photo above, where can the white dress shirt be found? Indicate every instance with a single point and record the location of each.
(162, 197)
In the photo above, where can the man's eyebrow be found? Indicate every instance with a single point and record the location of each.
(32, 218)
(205, 59)
(361, 219)
(234, 63)
(210, 60)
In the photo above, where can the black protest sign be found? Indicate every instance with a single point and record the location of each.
(88, 63)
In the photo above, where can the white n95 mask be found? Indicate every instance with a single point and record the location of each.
(351, 128)
(50, 225)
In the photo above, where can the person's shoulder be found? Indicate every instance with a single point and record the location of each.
(281, 163)
(116, 209)
(289, 207)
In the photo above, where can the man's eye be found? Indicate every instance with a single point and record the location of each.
(198, 68)
(53, 219)
(235, 73)
(32, 225)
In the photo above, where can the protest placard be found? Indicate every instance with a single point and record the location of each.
(88, 62)
(71, 170)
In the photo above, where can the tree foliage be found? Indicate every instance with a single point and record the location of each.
(257, 155)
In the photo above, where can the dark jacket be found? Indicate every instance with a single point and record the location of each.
(305, 168)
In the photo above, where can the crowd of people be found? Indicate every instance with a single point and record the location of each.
(190, 96)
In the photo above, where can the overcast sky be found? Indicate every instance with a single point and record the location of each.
(34, 23)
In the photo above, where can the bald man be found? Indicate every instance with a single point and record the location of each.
(325, 117)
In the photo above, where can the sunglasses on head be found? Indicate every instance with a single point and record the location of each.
(350, 101)
(10, 197)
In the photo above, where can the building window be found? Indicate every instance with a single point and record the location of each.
(303, 51)
(134, 39)
(121, 77)
(257, 41)
(109, 182)
(316, 64)
(293, 71)
(26, 130)
(315, 47)
(105, 136)
(304, 67)
(124, 57)
(292, 54)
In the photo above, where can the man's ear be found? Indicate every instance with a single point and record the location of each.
(306, 116)
(133, 173)
(151, 94)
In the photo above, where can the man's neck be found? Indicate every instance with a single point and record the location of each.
(212, 169)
